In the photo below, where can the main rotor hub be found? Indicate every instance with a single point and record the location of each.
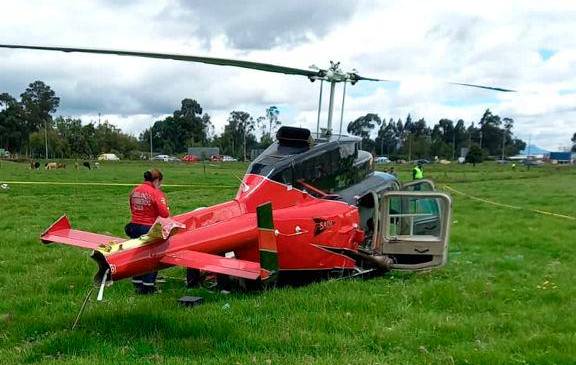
(334, 74)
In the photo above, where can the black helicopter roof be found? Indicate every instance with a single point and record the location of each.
(297, 144)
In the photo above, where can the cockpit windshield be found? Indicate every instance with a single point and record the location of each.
(261, 169)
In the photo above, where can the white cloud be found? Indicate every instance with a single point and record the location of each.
(490, 42)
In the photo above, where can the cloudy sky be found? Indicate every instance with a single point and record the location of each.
(524, 45)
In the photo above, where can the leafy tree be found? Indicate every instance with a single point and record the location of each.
(38, 102)
(443, 139)
(387, 139)
(362, 127)
(57, 146)
(473, 135)
(514, 147)
(574, 142)
(185, 127)
(12, 136)
(475, 155)
(409, 125)
(415, 139)
(461, 137)
(238, 137)
(420, 129)
(491, 133)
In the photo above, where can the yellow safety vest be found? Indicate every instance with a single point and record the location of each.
(419, 173)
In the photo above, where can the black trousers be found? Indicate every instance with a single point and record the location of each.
(146, 281)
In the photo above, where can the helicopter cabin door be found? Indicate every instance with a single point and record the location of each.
(414, 227)
(419, 185)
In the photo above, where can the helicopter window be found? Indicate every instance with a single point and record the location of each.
(334, 161)
(261, 169)
(411, 216)
(284, 176)
(348, 150)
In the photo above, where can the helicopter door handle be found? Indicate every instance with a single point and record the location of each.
(422, 250)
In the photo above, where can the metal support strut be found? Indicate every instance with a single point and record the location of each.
(342, 110)
(330, 107)
(319, 110)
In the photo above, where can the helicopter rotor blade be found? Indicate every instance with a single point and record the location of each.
(268, 67)
(355, 78)
(484, 87)
(178, 57)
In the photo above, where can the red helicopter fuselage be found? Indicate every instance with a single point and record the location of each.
(308, 234)
(301, 207)
(306, 229)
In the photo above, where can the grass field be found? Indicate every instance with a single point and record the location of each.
(506, 296)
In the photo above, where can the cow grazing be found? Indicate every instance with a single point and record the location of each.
(54, 165)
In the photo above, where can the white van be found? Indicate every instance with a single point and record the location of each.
(108, 157)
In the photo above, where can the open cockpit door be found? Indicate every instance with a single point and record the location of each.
(414, 227)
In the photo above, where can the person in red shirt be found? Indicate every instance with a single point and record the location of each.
(147, 202)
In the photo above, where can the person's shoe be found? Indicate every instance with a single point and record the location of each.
(137, 286)
(147, 289)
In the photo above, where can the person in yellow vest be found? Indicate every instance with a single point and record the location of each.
(418, 172)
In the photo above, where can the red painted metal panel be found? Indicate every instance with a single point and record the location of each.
(82, 239)
(213, 263)
(267, 240)
(61, 232)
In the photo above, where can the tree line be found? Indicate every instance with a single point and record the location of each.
(189, 127)
(411, 139)
(26, 123)
(29, 129)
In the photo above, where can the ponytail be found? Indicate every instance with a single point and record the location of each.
(152, 175)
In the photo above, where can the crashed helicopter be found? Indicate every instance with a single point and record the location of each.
(311, 203)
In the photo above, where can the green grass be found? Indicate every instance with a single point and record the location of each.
(505, 297)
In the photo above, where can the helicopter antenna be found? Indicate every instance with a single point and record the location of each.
(342, 111)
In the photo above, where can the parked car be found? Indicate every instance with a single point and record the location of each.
(228, 159)
(216, 158)
(421, 162)
(172, 159)
(108, 157)
(382, 160)
(533, 162)
(160, 158)
(165, 158)
(190, 158)
(4, 153)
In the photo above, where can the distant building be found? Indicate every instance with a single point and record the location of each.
(203, 153)
(534, 152)
(561, 157)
